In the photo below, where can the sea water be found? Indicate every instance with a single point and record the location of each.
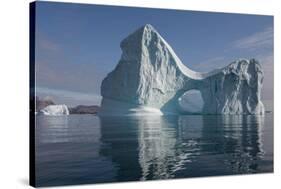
(83, 149)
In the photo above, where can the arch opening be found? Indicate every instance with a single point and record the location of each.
(191, 102)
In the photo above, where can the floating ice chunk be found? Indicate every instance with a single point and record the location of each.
(55, 110)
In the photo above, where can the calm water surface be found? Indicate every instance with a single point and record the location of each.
(85, 149)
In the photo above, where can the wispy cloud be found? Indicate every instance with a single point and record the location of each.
(68, 97)
(210, 64)
(259, 45)
(262, 39)
(48, 45)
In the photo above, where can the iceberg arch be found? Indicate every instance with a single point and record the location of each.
(191, 102)
(150, 77)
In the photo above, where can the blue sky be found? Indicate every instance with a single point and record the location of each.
(78, 44)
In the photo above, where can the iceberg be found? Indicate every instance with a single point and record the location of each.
(55, 110)
(150, 78)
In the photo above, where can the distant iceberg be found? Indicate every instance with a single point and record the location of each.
(150, 77)
(55, 110)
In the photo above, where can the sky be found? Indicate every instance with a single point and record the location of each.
(77, 45)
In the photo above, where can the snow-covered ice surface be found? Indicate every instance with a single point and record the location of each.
(55, 110)
(150, 77)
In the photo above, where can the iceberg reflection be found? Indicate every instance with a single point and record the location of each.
(161, 147)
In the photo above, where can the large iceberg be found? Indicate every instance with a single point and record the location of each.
(55, 110)
(150, 78)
